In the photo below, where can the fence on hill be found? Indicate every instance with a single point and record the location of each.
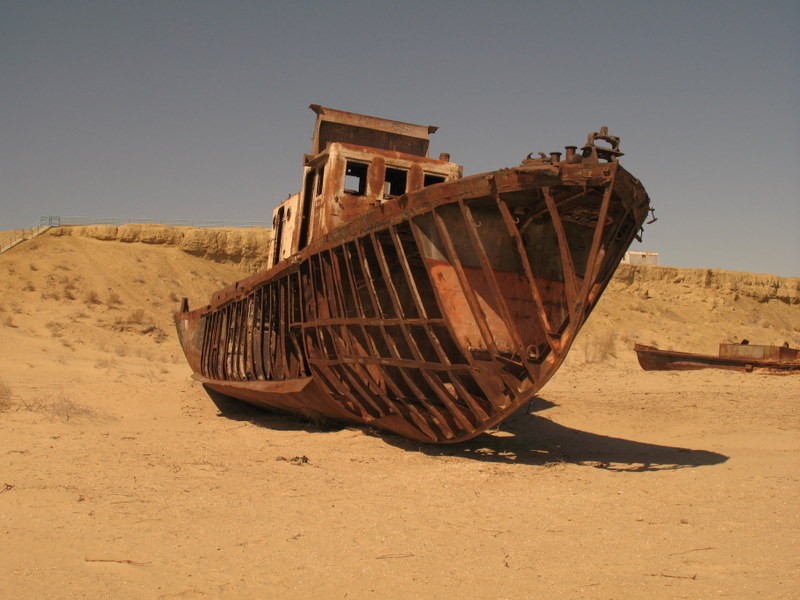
(12, 237)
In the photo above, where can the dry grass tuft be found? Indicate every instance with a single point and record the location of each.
(69, 288)
(113, 299)
(28, 287)
(91, 297)
(56, 329)
(56, 407)
(9, 321)
(600, 347)
(5, 396)
(158, 334)
(137, 317)
(51, 294)
(105, 363)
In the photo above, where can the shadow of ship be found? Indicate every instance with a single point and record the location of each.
(524, 439)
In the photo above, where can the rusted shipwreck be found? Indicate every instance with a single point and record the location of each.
(739, 357)
(402, 295)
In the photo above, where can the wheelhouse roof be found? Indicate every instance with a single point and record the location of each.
(341, 126)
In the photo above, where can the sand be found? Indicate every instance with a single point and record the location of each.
(122, 478)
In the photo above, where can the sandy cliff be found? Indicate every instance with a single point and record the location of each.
(246, 248)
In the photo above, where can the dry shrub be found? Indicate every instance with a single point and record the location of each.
(56, 329)
(29, 287)
(113, 299)
(56, 407)
(152, 375)
(599, 348)
(138, 322)
(33, 267)
(5, 396)
(51, 294)
(91, 297)
(9, 321)
(173, 296)
(121, 351)
(69, 288)
(158, 334)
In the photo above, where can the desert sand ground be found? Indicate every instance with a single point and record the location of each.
(122, 478)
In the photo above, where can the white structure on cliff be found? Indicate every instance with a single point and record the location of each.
(641, 258)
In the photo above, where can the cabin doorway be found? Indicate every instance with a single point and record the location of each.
(278, 236)
(305, 219)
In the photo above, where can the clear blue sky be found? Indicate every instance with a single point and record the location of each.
(193, 109)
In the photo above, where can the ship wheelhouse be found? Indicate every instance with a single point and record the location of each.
(358, 164)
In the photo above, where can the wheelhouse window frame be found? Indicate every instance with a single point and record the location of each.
(395, 181)
(355, 177)
(429, 179)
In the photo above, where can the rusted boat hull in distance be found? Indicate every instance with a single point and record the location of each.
(738, 357)
(433, 314)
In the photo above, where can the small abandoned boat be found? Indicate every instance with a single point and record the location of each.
(402, 295)
(741, 357)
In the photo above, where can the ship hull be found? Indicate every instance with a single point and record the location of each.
(434, 316)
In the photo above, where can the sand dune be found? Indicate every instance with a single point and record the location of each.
(120, 477)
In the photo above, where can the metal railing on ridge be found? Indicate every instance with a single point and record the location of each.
(12, 237)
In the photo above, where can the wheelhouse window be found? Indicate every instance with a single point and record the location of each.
(394, 183)
(355, 178)
(431, 179)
